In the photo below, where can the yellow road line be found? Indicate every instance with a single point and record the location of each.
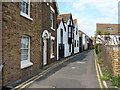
(104, 82)
(36, 78)
(29, 81)
(44, 73)
(101, 74)
(32, 78)
(100, 83)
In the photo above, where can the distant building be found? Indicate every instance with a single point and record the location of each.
(80, 41)
(68, 32)
(76, 37)
(107, 34)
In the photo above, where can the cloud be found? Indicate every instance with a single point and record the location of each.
(108, 13)
(106, 7)
(90, 12)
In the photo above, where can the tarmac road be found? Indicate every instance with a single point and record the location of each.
(78, 72)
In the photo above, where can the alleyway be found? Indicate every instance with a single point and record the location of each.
(78, 72)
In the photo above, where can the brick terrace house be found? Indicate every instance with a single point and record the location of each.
(28, 38)
(112, 32)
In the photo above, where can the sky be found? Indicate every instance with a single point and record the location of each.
(90, 12)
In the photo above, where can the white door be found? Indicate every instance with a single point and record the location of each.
(45, 52)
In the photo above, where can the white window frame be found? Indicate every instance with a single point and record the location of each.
(109, 28)
(26, 63)
(51, 47)
(52, 12)
(24, 14)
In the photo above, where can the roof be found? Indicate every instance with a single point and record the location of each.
(74, 21)
(59, 19)
(93, 38)
(65, 16)
(80, 33)
(107, 27)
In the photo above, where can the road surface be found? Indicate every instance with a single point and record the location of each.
(78, 72)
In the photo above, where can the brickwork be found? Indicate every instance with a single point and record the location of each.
(103, 28)
(14, 26)
(0, 43)
(116, 62)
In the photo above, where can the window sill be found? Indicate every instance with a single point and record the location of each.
(52, 29)
(26, 16)
(52, 56)
(25, 64)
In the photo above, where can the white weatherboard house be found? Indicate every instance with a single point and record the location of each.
(65, 36)
(76, 37)
(61, 36)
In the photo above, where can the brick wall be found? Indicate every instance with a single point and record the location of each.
(14, 26)
(0, 43)
(103, 28)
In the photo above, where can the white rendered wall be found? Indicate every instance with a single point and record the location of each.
(114, 39)
(76, 37)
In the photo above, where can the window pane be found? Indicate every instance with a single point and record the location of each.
(51, 19)
(26, 8)
(22, 6)
(24, 48)
(24, 51)
(24, 57)
(25, 42)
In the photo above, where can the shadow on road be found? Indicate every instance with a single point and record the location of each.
(80, 57)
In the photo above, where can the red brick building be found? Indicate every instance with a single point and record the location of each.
(28, 38)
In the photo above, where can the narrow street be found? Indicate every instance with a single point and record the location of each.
(78, 72)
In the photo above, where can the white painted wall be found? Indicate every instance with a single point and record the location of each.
(113, 41)
(67, 53)
(61, 26)
(85, 41)
(76, 37)
(65, 39)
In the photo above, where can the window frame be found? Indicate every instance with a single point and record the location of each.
(69, 47)
(23, 13)
(52, 42)
(51, 19)
(61, 35)
(109, 28)
(25, 63)
(52, 12)
(69, 31)
(75, 43)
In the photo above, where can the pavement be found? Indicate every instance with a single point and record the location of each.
(76, 72)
